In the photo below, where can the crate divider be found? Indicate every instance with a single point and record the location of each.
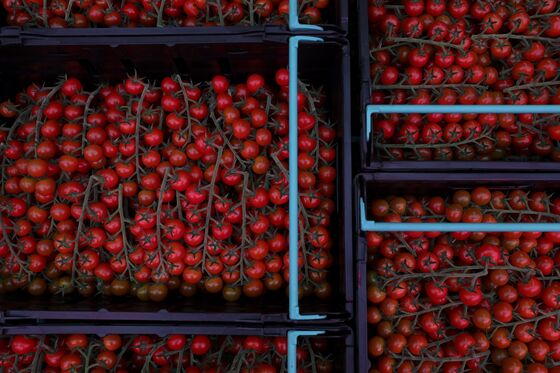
(373, 226)
(371, 109)
(293, 20)
(292, 346)
(454, 109)
(293, 210)
(368, 225)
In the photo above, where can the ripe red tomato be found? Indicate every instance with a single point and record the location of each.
(200, 345)
(23, 345)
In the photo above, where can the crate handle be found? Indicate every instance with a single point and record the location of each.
(455, 109)
(292, 346)
(373, 226)
(293, 19)
(293, 178)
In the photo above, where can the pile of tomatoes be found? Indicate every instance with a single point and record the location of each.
(462, 52)
(454, 302)
(144, 188)
(148, 353)
(155, 13)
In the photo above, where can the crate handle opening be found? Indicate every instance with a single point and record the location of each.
(454, 109)
(292, 346)
(373, 226)
(293, 178)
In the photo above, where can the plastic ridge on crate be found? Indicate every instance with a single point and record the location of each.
(127, 36)
(105, 310)
(141, 36)
(133, 36)
(360, 323)
(344, 358)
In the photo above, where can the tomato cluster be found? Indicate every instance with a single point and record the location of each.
(479, 205)
(141, 188)
(155, 13)
(465, 52)
(147, 353)
(464, 301)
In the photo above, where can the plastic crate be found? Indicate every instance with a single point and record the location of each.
(369, 156)
(335, 21)
(323, 63)
(341, 338)
(372, 185)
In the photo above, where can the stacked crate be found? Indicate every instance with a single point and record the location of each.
(472, 169)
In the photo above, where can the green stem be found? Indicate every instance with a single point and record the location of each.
(425, 41)
(87, 192)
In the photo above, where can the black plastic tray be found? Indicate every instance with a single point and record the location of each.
(367, 185)
(368, 158)
(237, 56)
(341, 336)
